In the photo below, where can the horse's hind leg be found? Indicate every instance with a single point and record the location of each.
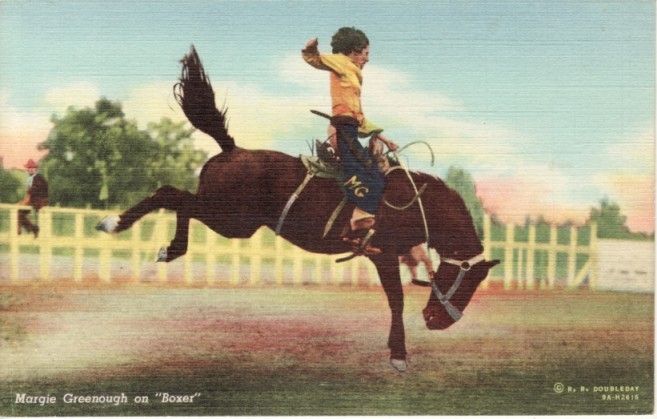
(168, 197)
(178, 246)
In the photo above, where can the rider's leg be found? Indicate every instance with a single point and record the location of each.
(363, 183)
(361, 219)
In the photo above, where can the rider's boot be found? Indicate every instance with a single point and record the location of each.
(358, 234)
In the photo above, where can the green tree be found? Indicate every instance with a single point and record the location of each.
(98, 157)
(176, 159)
(462, 182)
(611, 222)
(12, 187)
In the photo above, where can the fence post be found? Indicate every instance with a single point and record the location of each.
(14, 253)
(278, 262)
(318, 269)
(530, 280)
(210, 259)
(78, 258)
(256, 257)
(105, 259)
(336, 271)
(508, 256)
(593, 256)
(105, 264)
(372, 273)
(552, 257)
(572, 257)
(45, 248)
(188, 258)
(135, 259)
(297, 268)
(235, 262)
(487, 247)
(161, 233)
(520, 275)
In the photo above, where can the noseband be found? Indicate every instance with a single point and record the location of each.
(464, 266)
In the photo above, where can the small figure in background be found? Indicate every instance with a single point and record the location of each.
(413, 258)
(36, 196)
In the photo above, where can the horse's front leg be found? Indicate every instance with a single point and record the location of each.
(387, 265)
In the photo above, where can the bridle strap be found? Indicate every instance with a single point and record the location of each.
(453, 312)
(464, 266)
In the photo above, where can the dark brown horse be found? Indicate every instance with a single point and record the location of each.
(242, 190)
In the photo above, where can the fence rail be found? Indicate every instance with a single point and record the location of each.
(519, 257)
(75, 237)
(67, 237)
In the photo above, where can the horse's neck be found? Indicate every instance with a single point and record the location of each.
(455, 234)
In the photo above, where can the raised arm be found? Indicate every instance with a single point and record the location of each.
(310, 54)
(328, 62)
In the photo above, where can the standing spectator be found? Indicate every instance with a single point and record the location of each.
(36, 196)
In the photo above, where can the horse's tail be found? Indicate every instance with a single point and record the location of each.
(195, 96)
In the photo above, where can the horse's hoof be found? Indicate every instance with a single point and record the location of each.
(162, 255)
(108, 224)
(398, 364)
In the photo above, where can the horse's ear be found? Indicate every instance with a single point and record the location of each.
(490, 263)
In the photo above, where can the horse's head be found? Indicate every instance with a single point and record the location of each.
(452, 289)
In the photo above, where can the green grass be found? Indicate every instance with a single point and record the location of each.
(321, 351)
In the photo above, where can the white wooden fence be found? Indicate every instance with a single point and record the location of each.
(69, 248)
(240, 261)
(518, 257)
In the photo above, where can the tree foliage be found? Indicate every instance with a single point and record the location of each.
(463, 183)
(12, 186)
(612, 223)
(97, 157)
(177, 160)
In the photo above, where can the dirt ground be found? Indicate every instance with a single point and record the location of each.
(319, 351)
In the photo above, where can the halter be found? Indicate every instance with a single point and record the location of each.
(464, 266)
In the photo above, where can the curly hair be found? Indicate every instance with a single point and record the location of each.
(347, 40)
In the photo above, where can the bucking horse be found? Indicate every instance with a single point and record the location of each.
(241, 190)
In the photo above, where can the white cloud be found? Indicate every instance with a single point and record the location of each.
(635, 151)
(391, 100)
(79, 95)
(255, 118)
(22, 130)
(531, 190)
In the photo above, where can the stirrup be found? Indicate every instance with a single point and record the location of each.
(361, 247)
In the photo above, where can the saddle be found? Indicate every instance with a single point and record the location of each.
(325, 163)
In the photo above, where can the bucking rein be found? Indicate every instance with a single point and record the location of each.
(318, 169)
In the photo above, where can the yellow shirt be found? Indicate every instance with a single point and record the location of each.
(346, 82)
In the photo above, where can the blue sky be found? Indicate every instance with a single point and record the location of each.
(550, 105)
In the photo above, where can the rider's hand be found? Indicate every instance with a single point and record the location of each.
(311, 44)
(389, 143)
(392, 146)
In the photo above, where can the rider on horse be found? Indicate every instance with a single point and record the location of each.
(362, 182)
